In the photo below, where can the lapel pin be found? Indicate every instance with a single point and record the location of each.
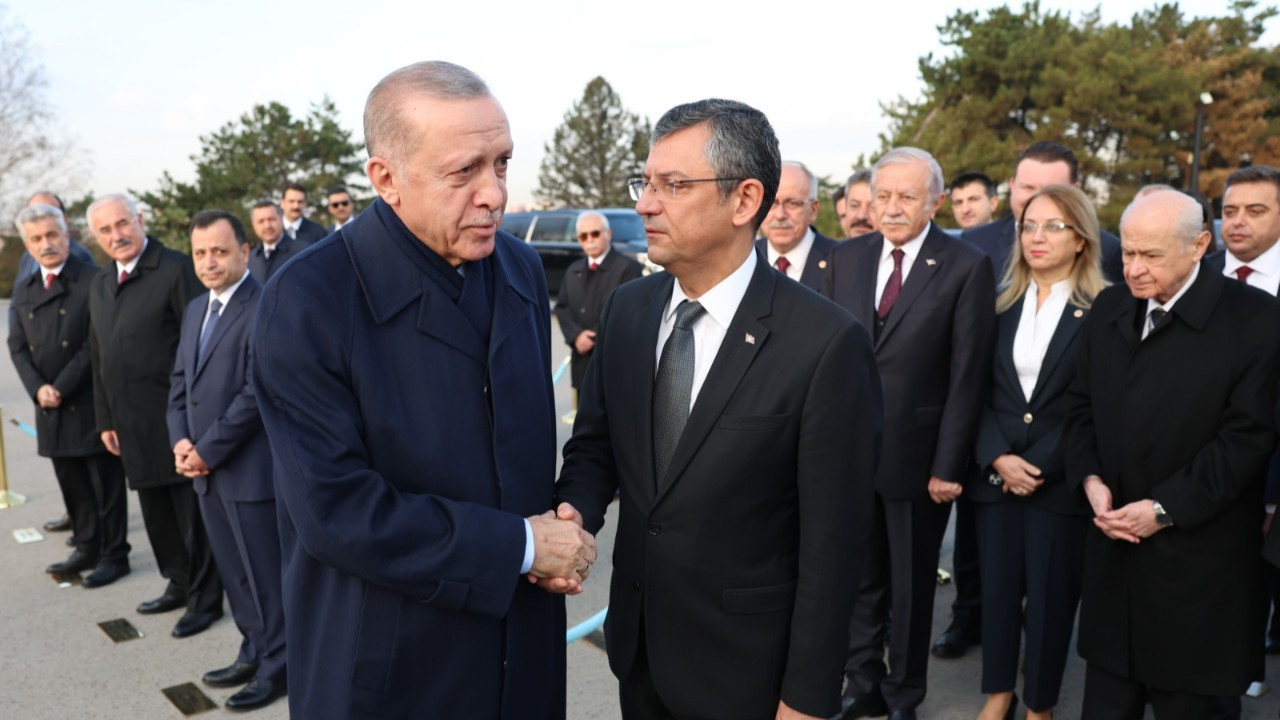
(1079, 313)
(751, 339)
(930, 262)
(822, 264)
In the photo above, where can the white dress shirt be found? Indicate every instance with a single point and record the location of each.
(1152, 304)
(909, 252)
(721, 304)
(1266, 269)
(798, 256)
(597, 260)
(223, 297)
(1035, 330)
(46, 272)
(291, 228)
(128, 267)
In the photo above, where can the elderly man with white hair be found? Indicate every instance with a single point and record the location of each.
(791, 243)
(1172, 465)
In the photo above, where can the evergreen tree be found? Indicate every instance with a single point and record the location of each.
(598, 147)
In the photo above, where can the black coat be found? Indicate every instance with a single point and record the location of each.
(583, 293)
(1186, 417)
(134, 340)
(815, 265)
(309, 232)
(745, 561)
(934, 354)
(996, 239)
(262, 268)
(49, 344)
(1030, 429)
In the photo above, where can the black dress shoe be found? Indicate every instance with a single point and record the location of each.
(866, 706)
(193, 623)
(72, 542)
(909, 714)
(77, 562)
(237, 673)
(957, 638)
(107, 573)
(62, 524)
(162, 604)
(259, 693)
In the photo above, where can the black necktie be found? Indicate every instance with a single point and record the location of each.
(1159, 317)
(214, 306)
(674, 387)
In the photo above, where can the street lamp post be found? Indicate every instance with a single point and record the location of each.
(1204, 101)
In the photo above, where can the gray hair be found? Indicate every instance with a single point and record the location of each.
(904, 155)
(1146, 190)
(266, 202)
(813, 179)
(386, 132)
(36, 213)
(1186, 223)
(742, 145)
(592, 213)
(102, 200)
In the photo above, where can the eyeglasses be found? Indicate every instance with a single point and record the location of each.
(791, 204)
(1052, 227)
(339, 203)
(593, 234)
(667, 189)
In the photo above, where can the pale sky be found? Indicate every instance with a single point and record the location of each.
(137, 82)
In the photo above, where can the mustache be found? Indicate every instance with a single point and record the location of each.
(490, 218)
(862, 224)
(781, 225)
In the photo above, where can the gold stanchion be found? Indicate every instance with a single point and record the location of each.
(7, 499)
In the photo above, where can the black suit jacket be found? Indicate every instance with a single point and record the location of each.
(745, 559)
(996, 239)
(49, 344)
(815, 264)
(583, 293)
(262, 268)
(1030, 429)
(1186, 417)
(133, 341)
(309, 232)
(211, 401)
(934, 354)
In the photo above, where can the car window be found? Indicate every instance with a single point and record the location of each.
(517, 225)
(626, 227)
(553, 228)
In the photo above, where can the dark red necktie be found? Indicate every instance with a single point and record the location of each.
(124, 275)
(594, 266)
(48, 280)
(893, 287)
(782, 263)
(1243, 272)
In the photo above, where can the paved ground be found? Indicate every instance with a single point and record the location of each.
(56, 663)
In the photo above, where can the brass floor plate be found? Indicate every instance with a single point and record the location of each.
(120, 630)
(66, 580)
(189, 699)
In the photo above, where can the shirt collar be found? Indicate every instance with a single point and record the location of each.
(910, 249)
(1267, 264)
(271, 247)
(224, 297)
(721, 302)
(598, 260)
(293, 225)
(1152, 304)
(128, 267)
(801, 248)
(45, 272)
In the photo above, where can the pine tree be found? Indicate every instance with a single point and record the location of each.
(598, 147)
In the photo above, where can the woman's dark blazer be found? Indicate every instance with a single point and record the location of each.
(1031, 430)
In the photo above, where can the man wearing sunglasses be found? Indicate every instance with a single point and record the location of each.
(588, 282)
(341, 208)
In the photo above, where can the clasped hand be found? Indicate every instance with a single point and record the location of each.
(1131, 523)
(48, 396)
(563, 551)
(187, 461)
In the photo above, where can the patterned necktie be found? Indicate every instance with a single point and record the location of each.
(674, 387)
(124, 275)
(1243, 272)
(48, 280)
(893, 287)
(782, 263)
(214, 307)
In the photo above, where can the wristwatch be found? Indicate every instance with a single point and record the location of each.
(1162, 518)
(995, 479)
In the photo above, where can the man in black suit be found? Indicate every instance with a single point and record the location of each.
(973, 199)
(587, 284)
(1172, 607)
(296, 225)
(276, 247)
(219, 441)
(739, 415)
(790, 243)
(341, 207)
(931, 302)
(1042, 163)
(135, 311)
(49, 344)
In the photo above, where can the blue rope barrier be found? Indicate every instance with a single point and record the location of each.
(559, 373)
(586, 627)
(23, 427)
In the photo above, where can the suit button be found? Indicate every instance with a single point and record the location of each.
(654, 529)
(62, 311)
(635, 586)
(31, 316)
(64, 343)
(1027, 418)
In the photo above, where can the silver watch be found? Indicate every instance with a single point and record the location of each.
(1162, 518)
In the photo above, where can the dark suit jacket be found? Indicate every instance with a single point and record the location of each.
(745, 559)
(814, 265)
(1030, 429)
(262, 268)
(583, 293)
(211, 403)
(49, 344)
(309, 232)
(405, 458)
(1186, 417)
(133, 340)
(934, 354)
(996, 239)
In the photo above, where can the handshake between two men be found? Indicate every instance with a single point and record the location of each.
(563, 551)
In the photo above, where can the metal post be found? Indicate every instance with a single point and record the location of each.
(1195, 155)
(7, 499)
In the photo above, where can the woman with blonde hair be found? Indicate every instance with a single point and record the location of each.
(1030, 523)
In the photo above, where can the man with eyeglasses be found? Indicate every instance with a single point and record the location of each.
(341, 208)
(739, 414)
(587, 284)
(791, 243)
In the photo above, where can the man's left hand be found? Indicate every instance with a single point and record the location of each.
(193, 465)
(786, 713)
(1133, 522)
(941, 491)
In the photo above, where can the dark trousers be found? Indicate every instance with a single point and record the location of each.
(1112, 697)
(245, 540)
(966, 561)
(172, 517)
(899, 581)
(94, 490)
(1035, 555)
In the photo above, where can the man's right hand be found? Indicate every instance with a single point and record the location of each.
(563, 551)
(111, 441)
(585, 341)
(48, 396)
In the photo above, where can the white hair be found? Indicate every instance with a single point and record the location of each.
(1186, 223)
(904, 155)
(592, 213)
(102, 200)
(36, 213)
(813, 179)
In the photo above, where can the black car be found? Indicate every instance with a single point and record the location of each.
(552, 234)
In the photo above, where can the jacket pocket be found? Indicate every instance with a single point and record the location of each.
(753, 422)
(756, 600)
(376, 643)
